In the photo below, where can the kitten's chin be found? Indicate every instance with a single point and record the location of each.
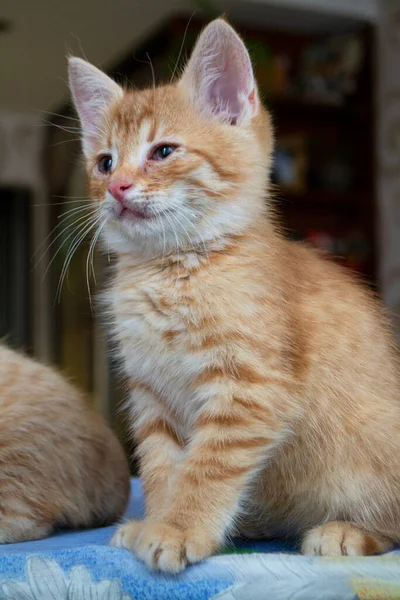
(127, 230)
(133, 223)
(132, 215)
(133, 236)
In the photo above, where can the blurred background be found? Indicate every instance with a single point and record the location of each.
(329, 71)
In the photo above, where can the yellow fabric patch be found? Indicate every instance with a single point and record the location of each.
(376, 589)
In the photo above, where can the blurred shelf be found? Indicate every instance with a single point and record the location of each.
(323, 199)
(299, 107)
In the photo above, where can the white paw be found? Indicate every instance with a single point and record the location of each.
(162, 547)
(342, 539)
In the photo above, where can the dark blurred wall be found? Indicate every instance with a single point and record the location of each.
(388, 154)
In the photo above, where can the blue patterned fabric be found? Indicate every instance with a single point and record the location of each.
(80, 566)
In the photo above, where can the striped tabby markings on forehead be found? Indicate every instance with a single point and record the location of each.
(218, 80)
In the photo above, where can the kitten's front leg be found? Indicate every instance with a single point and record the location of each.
(225, 452)
(159, 452)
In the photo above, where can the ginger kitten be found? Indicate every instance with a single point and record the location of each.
(264, 393)
(60, 465)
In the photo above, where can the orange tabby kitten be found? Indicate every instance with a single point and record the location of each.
(263, 387)
(60, 465)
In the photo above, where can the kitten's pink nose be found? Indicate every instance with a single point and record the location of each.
(119, 187)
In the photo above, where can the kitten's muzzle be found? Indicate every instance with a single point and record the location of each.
(131, 210)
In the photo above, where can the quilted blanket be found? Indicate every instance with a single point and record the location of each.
(81, 566)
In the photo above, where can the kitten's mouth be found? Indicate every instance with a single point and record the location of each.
(136, 214)
(140, 214)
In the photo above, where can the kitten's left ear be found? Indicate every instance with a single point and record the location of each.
(219, 76)
(93, 92)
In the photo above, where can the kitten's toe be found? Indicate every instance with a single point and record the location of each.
(162, 547)
(199, 546)
(126, 535)
(342, 539)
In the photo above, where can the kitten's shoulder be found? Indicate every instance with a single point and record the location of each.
(320, 267)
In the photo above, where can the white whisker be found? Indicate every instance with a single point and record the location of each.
(163, 232)
(75, 197)
(66, 218)
(62, 203)
(75, 210)
(48, 112)
(61, 127)
(179, 57)
(65, 142)
(167, 214)
(74, 232)
(71, 251)
(90, 258)
(154, 83)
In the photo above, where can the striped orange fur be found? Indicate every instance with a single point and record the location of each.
(265, 390)
(60, 465)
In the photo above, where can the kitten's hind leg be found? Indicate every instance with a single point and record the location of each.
(19, 528)
(338, 538)
(24, 530)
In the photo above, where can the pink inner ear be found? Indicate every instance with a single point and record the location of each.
(93, 92)
(219, 74)
(90, 116)
(231, 87)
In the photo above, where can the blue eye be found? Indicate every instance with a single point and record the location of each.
(104, 163)
(162, 152)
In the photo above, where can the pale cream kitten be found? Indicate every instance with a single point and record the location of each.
(60, 464)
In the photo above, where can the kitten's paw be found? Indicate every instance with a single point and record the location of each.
(166, 548)
(125, 536)
(342, 539)
(162, 547)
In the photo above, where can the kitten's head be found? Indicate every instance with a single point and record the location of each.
(179, 164)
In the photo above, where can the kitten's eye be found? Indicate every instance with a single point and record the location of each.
(162, 152)
(104, 164)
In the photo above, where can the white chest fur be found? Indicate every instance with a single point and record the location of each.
(151, 311)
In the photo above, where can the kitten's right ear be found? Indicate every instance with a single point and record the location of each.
(92, 92)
